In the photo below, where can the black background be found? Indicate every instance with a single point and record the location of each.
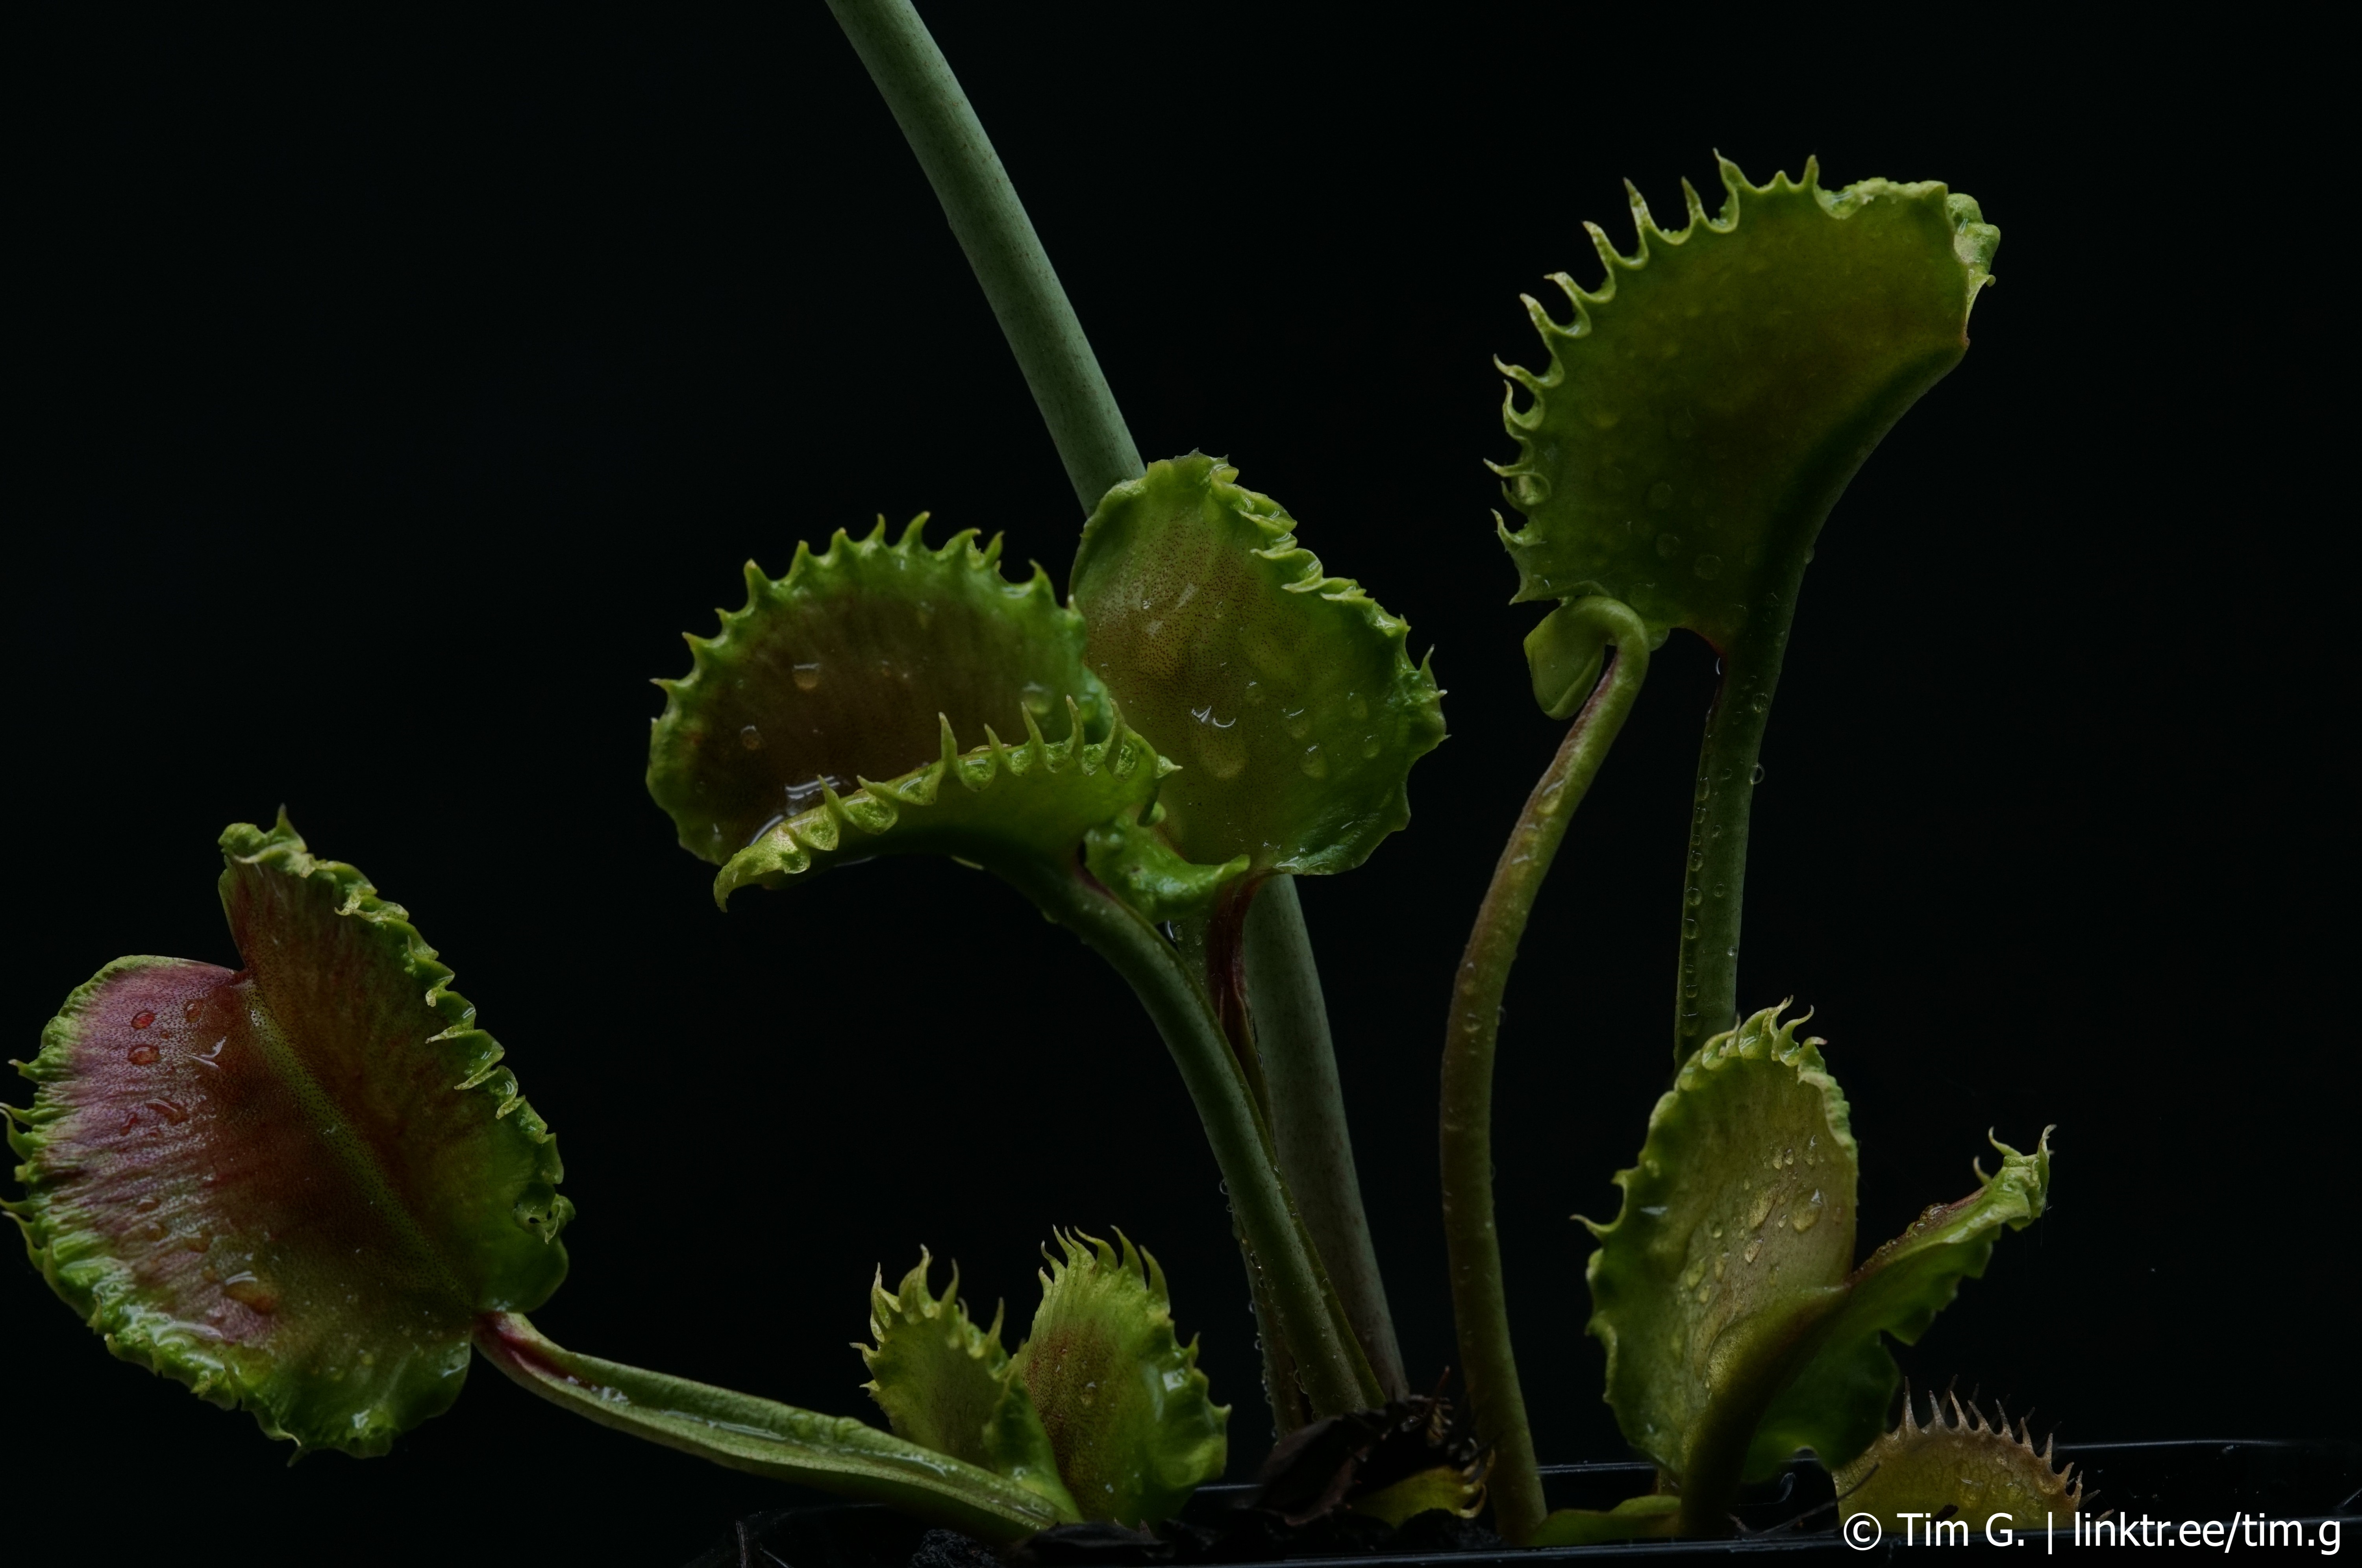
(400, 388)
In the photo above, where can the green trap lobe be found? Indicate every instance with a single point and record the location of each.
(846, 669)
(1285, 695)
(1707, 405)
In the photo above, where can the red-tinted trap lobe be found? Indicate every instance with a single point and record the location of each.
(292, 1186)
(193, 1179)
(377, 1060)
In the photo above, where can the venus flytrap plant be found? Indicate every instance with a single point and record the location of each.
(308, 1187)
(1699, 417)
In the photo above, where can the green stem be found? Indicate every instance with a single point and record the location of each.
(1706, 990)
(834, 1453)
(1479, 1304)
(992, 227)
(1073, 394)
(1307, 1108)
(1287, 1273)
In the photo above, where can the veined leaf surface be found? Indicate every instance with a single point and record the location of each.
(1125, 1405)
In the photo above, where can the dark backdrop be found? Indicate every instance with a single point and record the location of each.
(397, 390)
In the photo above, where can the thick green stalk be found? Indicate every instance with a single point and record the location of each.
(992, 227)
(1307, 1108)
(1287, 1274)
(1706, 990)
(1479, 1303)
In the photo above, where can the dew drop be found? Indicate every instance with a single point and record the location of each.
(1758, 703)
(1754, 1249)
(1254, 694)
(1314, 766)
(1296, 722)
(1661, 495)
(807, 676)
(251, 1293)
(751, 738)
(171, 1110)
(142, 1019)
(1036, 698)
(1756, 777)
(1668, 545)
(1689, 929)
(1696, 896)
(1708, 568)
(1355, 706)
(1370, 746)
(147, 1205)
(140, 1056)
(192, 1010)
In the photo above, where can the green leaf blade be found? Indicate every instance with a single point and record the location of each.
(1706, 407)
(1837, 1404)
(1287, 696)
(766, 1438)
(265, 1185)
(1737, 1229)
(1900, 1287)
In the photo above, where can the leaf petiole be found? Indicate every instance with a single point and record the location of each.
(1479, 1303)
(762, 1436)
(1334, 1374)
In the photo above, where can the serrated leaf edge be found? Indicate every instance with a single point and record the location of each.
(787, 847)
(1969, 1425)
(1525, 487)
(280, 848)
